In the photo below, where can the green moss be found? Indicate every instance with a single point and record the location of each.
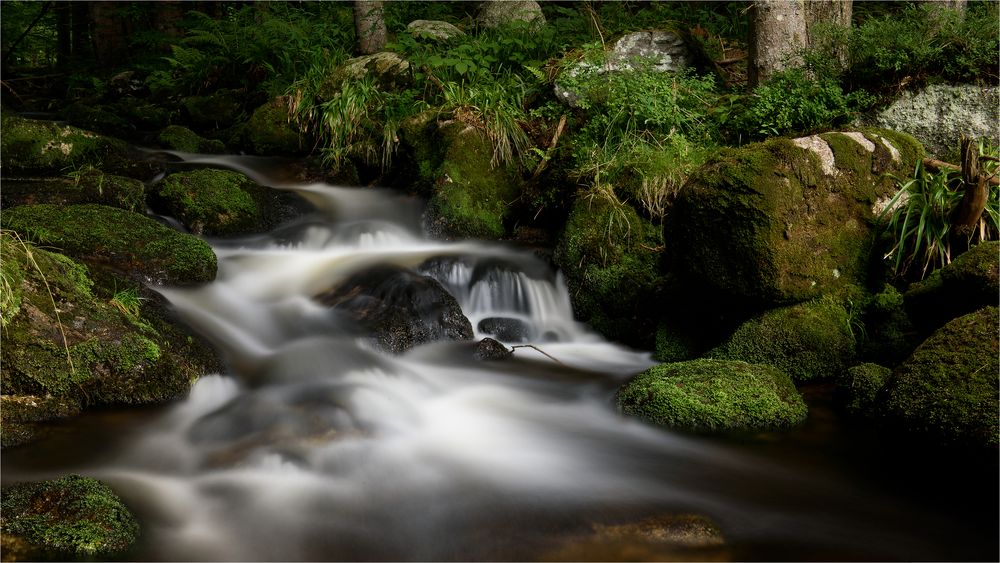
(97, 118)
(269, 130)
(11, 279)
(772, 223)
(889, 335)
(218, 110)
(73, 517)
(713, 396)
(809, 341)
(860, 386)
(970, 282)
(611, 260)
(181, 138)
(472, 198)
(947, 391)
(125, 241)
(673, 344)
(142, 113)
(30, 147)
(211, 202)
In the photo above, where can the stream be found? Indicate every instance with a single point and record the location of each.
(316, 446)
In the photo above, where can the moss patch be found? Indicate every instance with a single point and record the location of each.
(43, 147)
(808, 341)
(84, 186)
(181, 138)
(860, 385)
(611, 260)
(217, 110)
(947, 391)
(67, 342)
(780, 222)
(472, 198)
(126, 242)
(76, 518)
(970, 282)
(713, 396)
(212, 202)
(269, 130)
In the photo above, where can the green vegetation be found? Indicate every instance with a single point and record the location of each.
(180, 138)
(860, 386)
(918, 217)
(808, 341)
(947, 390)
(73, 517)
(126, 241)
(211, 202)
(712, 396)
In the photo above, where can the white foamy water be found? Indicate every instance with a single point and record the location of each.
(315, 447)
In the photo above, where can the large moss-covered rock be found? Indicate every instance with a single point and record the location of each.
(611, 260)
(947, 391)
(217, 110)
(85, 186)
(386, 70)
(970, 282)
(434, 30)
(472, 198)
(69, 519)
(126, 242)
(787, 220)
(713, 396)
(496, 13)
(180, 138)
(213, 202)
(860, 385)
(810, 340)
(29, 146)
(63, 340)
(270, 131)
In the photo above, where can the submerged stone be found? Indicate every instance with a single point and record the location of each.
(713, 396)
(399, 309)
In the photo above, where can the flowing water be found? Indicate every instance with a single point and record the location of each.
(315, 446)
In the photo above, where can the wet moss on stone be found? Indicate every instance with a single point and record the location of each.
(472, 197)
(218, 110)
(611, 260)
(860, 386)
(269, 130)
(812, 340)
(212, 202)
(970, 282)
(713, 396)
(180, 138)
(30, 147)
(72, 518)
(947, 391)
(83, 186)
(118, 239)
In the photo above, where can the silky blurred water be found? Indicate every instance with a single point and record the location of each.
(315, 446)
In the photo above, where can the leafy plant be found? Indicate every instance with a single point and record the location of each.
(128, 301)
(919, 216)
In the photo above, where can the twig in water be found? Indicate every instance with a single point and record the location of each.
(544, 353)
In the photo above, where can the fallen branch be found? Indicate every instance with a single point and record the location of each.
(935, 165)
(537, 349)
(552, 145)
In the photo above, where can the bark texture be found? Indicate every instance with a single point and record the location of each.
(829, 12)
(369, 24)
(777, 37)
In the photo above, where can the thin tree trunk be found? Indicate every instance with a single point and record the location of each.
(970, 209)
(110, 34)
(80, 28)
(777, 38)
(369, 23)
(64, 33)
(831, 12)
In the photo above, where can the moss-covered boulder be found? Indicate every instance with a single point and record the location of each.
(889, 336)
(386, 70)
(129, 243)
(811, 340)
(29, 147)
(710, 396)
(84, 186)
(213, 202)
(611, 260)
(270, 131)
(217, 110)
(69, 519)
(787, 220)
(79, 344)
(472, 198)
(180, 138)
(22, 416)
(970, 282)
(860, 385)
(947, 391)
(97, 118)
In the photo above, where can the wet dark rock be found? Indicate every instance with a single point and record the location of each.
(490, 350)
(399, 309)
(506, 329)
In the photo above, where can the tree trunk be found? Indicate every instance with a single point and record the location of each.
(64, 35)
(970, 209)
(80, 28)
(369, 24)
(168, 15)
(777, 38)
(110, 34)
(831, 12)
